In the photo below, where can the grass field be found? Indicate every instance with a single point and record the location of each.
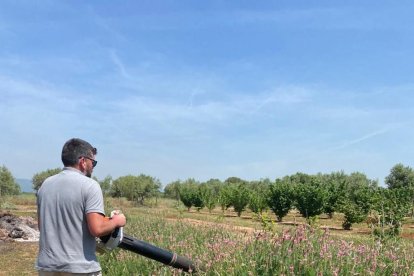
(224, 244)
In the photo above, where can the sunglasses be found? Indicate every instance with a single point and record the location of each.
(94, 162)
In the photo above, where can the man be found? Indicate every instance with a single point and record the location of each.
(71, 214)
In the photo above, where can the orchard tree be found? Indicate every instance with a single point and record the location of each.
(281, 197)
(188, 192)
(260, 186)
(135, 188)
(258, 202)
(310, 195)
(259, 191)
(358, 199)
(334, 184)
(39, 178)
(199, 197)
(235, 193)
(8, 185)
(224, 197)
(234, 180)
(239, 197)
(215, 185)
(400, 177)
(172, 190)
(208, 195)
(391, 206)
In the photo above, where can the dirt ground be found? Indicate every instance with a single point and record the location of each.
(19, 238)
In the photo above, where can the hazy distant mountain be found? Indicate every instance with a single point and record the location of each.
(25, 185)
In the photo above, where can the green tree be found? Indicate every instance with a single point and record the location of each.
(39, 178)
(199, 197)
(208, 194)
(8, 185)
(172, 190)
(136, 188)
(334, 184)
(106, 184)
(310, 195)
(224, 197)
(258, 201)
(391, 206)
(358, 199)
(239, 197)
(188, 192)
(400, 177)
(215, 185)
(258, 191)
(234, 180)
(281, 198)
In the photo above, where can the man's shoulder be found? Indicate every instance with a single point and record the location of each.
(51, 179)
(75, 174)
(69, 176)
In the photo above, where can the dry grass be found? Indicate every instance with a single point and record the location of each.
(18, 258)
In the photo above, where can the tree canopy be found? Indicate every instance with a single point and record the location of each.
(38, 178)
(8, 185)
(135, 188)
(400, 177)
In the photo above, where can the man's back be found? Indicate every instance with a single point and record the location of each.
(63, 202)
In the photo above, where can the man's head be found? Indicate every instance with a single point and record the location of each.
(79, 154)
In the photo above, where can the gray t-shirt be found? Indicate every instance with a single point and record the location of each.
(63, 201)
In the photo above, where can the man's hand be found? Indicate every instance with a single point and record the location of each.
(99, 225)
(119, 219)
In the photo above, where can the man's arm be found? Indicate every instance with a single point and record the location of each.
(99, 225)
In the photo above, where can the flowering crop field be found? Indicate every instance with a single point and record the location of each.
(227, 245)
(219, 250)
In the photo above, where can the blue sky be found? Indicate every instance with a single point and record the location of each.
(208, 89)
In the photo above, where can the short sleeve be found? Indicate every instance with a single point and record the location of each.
(94, 200)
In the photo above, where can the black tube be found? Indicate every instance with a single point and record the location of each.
(156, 253)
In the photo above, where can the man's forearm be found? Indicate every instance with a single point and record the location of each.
(100, 225)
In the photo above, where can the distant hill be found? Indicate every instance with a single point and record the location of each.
(25, 185)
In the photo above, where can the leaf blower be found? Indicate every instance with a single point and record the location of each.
(119, 239)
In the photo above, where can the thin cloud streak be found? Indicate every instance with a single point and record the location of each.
(119, 64)
(363, 138)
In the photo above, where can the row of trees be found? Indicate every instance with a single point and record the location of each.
(134, 188)
(354, 195)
